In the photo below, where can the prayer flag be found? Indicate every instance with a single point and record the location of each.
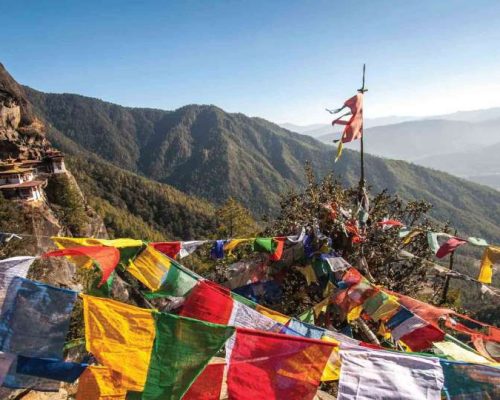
(35, 319)
(11, 267)
(150, 268)
(208, 302)
(450, 246)
(266, 365)
(491, 256)
(128, 248)
(470, 381)
(372, 374)
(50, 368)
(182, 349)
(120, 336)
(106, 258)
(171, 249)
(354, 126)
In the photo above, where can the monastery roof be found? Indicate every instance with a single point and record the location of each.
(16, 170)
(22, 185)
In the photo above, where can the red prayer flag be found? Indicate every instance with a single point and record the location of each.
(208, 302)
(106, 257)
(390, 222)
(423, 338)
(354, 126)
(449, 246)
(266, 365)
(170, 249)
(278, 253)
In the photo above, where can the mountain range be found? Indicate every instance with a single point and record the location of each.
(464, 143)
(205, 153)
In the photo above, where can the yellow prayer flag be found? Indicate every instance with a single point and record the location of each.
(150, 267)
(387, 309)
(332, 367)
(100, 383)
(121, 337)
(65, 242)
(491, 256)
(413, 234)
(231, 245)
(355, 313)
(308, 273)
(321, 307)
(278, 317)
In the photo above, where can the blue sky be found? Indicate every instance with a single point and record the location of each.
(282, 60)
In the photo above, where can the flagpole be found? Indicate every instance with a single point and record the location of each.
(362, 149)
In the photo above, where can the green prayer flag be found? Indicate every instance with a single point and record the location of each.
(182, 349)
(178, 283)
(265, 245)
(307, 316)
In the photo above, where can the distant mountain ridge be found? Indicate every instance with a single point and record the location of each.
(206, 152)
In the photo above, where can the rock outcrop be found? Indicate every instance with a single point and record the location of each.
(22, 134)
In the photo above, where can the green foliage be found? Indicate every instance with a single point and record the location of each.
(235, 221)
(67, 203)
(133, 206)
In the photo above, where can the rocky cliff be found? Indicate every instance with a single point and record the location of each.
(63, 210)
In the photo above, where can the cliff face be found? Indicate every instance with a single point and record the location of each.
(62, 210)
(22, 134)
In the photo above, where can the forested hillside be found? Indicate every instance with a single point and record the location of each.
(206, 152)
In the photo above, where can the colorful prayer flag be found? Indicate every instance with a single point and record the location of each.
(120, 336)
(11, 267)
(106, 258)
(372, 374)
(491, 256)
(150, 267)
(266, 365)
(182, 349)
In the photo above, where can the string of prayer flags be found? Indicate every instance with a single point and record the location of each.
(182, 349)
(264, 365)
(50, 368)
(106, 258)
(354, 126)
(11, 267)
(150, 268)
(371, 374)
(450, 246)
(491, 256)
(120, 336)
